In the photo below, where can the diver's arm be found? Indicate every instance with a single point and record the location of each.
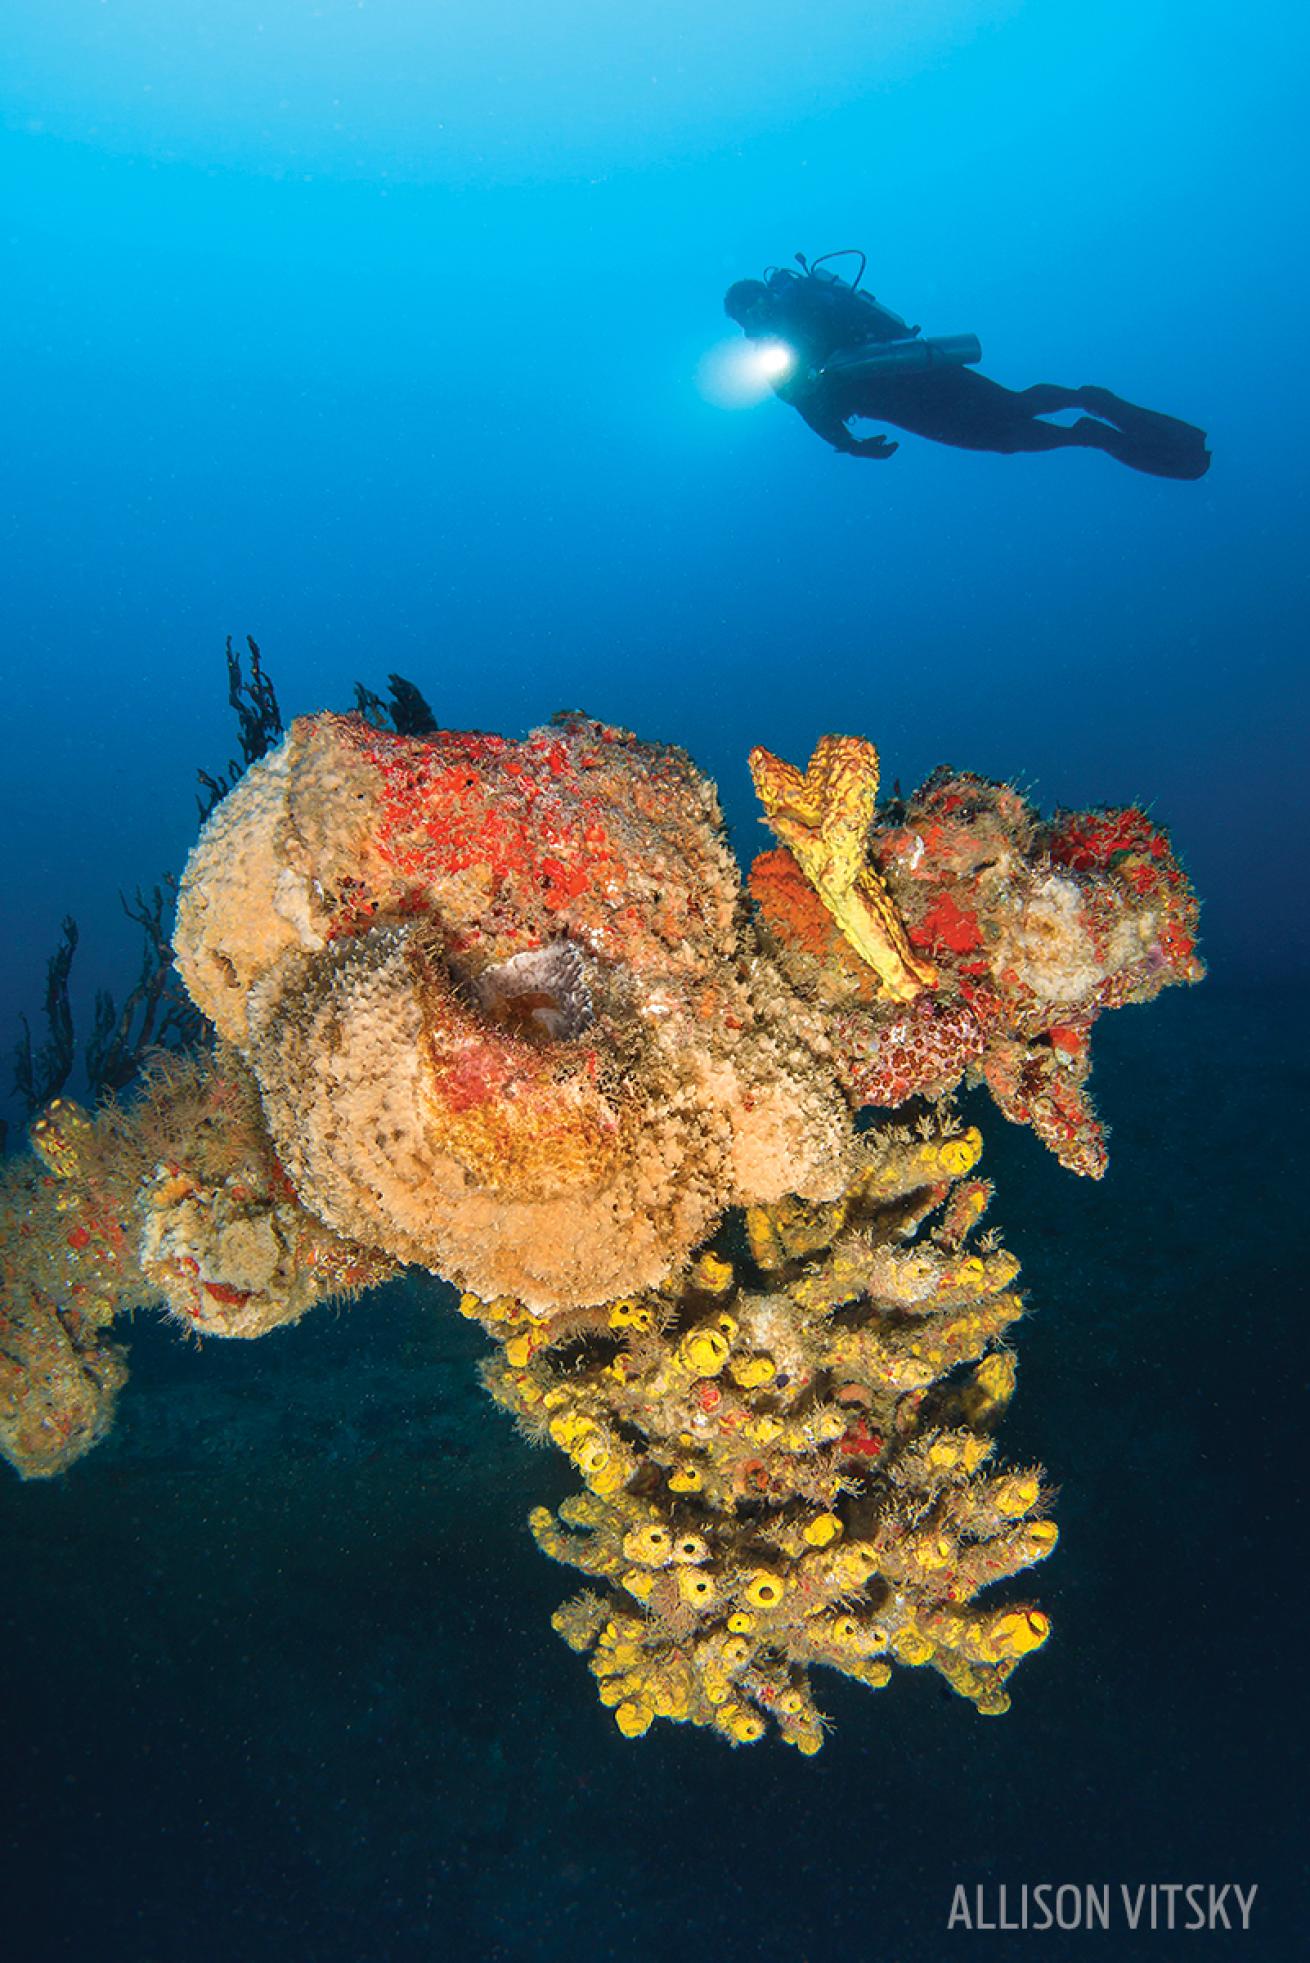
(825, 423)
(832, 429)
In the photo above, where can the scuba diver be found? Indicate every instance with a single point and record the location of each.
(842, 354)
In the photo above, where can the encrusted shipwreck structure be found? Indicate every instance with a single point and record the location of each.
(503, 1009)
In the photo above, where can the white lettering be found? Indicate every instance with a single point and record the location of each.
(1088, 1905)
(1074, 1915)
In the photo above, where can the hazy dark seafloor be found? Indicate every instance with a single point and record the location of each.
(280, 1680)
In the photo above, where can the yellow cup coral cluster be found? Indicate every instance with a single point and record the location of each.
(787, 1458)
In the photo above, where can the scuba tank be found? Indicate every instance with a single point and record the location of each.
(912, 356)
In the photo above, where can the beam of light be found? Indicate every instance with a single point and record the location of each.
(735, 374)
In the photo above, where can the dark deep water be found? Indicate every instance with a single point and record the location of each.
(374, 330)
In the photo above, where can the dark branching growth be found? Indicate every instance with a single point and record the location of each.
(410, 709)
(258, 716)
(41, 1075)
(408, 712)
(157, 1015)
(259, 723)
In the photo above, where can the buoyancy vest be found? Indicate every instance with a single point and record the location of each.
(819, 313)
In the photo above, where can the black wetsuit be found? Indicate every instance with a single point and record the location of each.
(821, 318)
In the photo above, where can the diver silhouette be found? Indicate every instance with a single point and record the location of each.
(846, 355)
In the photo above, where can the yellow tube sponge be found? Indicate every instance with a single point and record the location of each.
(837, 1508)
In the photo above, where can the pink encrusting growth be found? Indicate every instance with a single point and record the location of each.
(1033, 928)
(532, 827)
(923, 1051)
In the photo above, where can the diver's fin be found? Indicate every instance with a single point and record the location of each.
(1163, 446)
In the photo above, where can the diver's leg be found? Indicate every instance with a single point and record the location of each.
(1047, 399)
(963, 408)
(1007, 419)
(1026, 435)
(1115, 409)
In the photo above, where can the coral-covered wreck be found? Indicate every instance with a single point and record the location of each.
(504, 1010)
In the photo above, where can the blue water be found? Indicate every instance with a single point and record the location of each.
(373, 330)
